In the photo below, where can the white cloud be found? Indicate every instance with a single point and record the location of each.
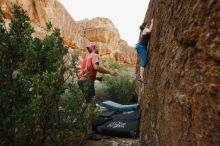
(127, 15)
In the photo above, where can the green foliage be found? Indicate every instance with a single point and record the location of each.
(119, 88)
(49, 26)
(34, 93)
(115, 65)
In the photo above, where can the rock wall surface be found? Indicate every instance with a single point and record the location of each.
(43, 11)
(181, 102)
(76, 34)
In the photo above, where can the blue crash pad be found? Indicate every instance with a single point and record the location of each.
(120, 107)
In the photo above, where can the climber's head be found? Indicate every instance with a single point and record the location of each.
(143, 26)
(147, 26)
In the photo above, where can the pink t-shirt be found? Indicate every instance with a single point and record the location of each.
(90, 60)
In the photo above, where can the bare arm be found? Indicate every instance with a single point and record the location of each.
(148, 30)
(103, 70)
(151, 25)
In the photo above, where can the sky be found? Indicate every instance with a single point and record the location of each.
(126, 15)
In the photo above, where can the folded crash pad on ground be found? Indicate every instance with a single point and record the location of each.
(107, 113)
(100, 121)
(120, 107)
(104, 117)
(122, 125)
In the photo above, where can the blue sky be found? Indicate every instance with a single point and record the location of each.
(126, 15)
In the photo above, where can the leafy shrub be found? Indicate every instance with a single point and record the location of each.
(119, 88)
(116, 65)
(34, 94)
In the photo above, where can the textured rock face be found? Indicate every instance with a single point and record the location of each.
(126, 54)
(41, 12)
(181, 102)
(76, 34)
(103, 32)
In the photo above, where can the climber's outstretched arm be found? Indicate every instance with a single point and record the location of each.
(148, 30)
(151, 24)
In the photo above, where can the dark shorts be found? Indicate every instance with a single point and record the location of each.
(142, 52)
(87, 88)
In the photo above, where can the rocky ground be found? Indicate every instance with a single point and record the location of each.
(107, 141)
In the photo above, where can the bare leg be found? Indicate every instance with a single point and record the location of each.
(141, 72)
(141, 79)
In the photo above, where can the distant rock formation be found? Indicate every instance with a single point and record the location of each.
(106, 36)
(181, 101)
(76, 34)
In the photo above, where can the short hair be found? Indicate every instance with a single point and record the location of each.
(143, 26)
(89, 50)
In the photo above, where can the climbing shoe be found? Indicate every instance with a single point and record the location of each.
(94, 136)
(142, 80)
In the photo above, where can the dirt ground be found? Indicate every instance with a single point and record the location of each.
(107, 141)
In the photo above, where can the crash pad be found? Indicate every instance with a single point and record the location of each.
(122, 125)
(120, 107)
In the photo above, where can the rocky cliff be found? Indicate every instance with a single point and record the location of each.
(76, 34)
(43, 11)
(181, 102)
(103, 32)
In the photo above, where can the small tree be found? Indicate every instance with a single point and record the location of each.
(37, 105)
(12, 53)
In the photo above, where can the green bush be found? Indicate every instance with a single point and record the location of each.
(33, 90)
(116, 65)
(119, 88)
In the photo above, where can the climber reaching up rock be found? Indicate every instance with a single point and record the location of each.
(142, 48)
